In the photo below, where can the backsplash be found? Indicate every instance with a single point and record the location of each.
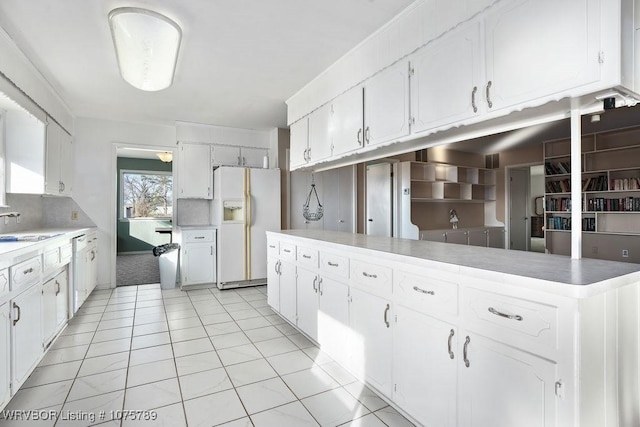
(193, 212)
(38, 212)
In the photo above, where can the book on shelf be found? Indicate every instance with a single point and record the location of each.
(558, 223)
(595, 183)
(620, 204)
(588, 224)
(558, 204)
(621, 184)
(556, 168)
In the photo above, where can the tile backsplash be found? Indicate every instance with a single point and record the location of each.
(193, 212)
(38, 211)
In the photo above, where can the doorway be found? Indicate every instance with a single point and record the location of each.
(143, 214)
(526, 220)
(379, 200)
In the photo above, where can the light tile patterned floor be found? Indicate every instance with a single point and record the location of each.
(198, 358)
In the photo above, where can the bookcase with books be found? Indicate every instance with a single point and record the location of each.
(610, 195)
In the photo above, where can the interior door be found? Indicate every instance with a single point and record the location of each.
(519, 209)
(379, 200)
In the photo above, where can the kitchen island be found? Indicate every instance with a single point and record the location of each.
(455, 335)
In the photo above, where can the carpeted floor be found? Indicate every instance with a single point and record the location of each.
(137, 269)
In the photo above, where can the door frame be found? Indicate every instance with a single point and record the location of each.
(393, 165)
(113, 202)
(507, 204)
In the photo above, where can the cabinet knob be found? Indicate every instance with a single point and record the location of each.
(488, 92)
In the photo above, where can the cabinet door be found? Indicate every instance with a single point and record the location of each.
(346, 122)
(333, 319)
(66, 164)
(455, 236)
(446, 80)
(26, 334)
(495, 237)
(49, 311)
(386, 105)
(52, 181)
(299, 142)
(92, 271)
(307, 302)
(252, 157)
(273, 283)
(425, 368)
(371, 343)
(5, 355)
(225, 155)
(197, 264)
(319, 135)
(504, 387)
(477, 237)
(62, 298)
(538, 48)
(195, 171)
(288, 291)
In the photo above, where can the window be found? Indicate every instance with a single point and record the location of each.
(146, 194)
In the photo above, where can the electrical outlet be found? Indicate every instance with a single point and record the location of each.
(625, 253)
(74, 215)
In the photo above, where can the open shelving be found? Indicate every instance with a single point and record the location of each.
(610, 195)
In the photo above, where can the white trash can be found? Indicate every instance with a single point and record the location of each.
(168, 263)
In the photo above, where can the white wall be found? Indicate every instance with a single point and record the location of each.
(95, 176)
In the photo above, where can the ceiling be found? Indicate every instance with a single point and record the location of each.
(239, 59)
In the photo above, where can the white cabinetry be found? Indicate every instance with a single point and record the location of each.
(273, 283)
(54, 306)
(386, 105)
(281, 288)
(231, 155)
(299, 143)
(425, 358)
(198, 257)
(25, 153)
(59, 161)
(5, 354)
(333, 318)
(535, 49)
(307, 301)
(346, 122)
(371, 339)
(195, 172)
(320, 138)
(446, 80)
(26, 334)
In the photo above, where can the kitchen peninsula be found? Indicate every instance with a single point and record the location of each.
(505, 338)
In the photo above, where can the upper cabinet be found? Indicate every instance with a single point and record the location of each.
(195, 173)
(538, 48)
(299, 143)
(59, 161)
(346, 121)
(233, 155)
(39, 156)
(320, 138)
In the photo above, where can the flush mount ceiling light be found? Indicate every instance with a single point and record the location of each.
(165, 156)
(147, 45)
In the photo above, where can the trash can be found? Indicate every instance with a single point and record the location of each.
(168, 262)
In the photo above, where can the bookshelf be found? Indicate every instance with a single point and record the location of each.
(610, 195)
(434, 182)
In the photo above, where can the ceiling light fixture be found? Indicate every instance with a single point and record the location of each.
(165, 156)
(147, 45)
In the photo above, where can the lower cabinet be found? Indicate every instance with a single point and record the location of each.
(26, 334)
(5, 354)
(273, 283)
(54, 306)
(371, 343)
(425, 363)
(504, 387)
(308, 302)
(333, 318)
(287, 280)
(197, 259)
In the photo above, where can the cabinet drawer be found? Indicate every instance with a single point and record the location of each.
(288, 251)
(4, 282)
(26, 273)
(308, 257)
(66, 252)
(371, 277)
(505, 318)
(51, 260)
(273, 248)
(191, 236)
(424, 293)
(334, 264)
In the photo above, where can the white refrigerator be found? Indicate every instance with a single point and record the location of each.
(246, 204)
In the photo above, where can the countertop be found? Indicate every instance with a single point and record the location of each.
(538, 266)
(11, 250)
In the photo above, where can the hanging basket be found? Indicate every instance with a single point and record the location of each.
(306, 212)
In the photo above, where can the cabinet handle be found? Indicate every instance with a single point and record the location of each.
(320, 287)
(288, 251)
(17, 319)
(58, 290)
(239, 161)
(449, 344)
(28, 271)
(386, 314)
(417, 289)
(211, 250)
(332, 264)
(489, 103)
(244, 161)
(371, 276)
(198, 237)
(315, 284)
(505, 315)
(473, 99)
(275, 267)
(93, 255)
(308, 154)
(306, 256)
(464, 351)
(360, 142)
(272, 246)
(367, 134)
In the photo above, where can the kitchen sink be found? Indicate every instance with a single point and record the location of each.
(19, 237)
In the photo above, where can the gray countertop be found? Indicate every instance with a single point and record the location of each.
(552, 268)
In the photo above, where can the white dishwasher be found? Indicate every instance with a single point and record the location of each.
(84, 268)
(197, 256)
